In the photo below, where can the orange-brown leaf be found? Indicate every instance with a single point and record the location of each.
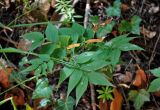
(18, 96)
(93, 40)
(96, 27)
(4, 77)
(103, 105)
(73, 46)
(116, 104)
(140, 79)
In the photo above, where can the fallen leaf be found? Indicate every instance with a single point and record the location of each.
(153, 9)
(96, 27)
(3, 63)
(93, 40)
(124, 85)
(43, 5)
(7, 3)
(4, 77)
(73, 46)
(125, 78)
(124, 7)
(24, 44)
(147, 33)
(53, 3)
(140, 79)
(18, 96)
(103, 105)
(116, 104)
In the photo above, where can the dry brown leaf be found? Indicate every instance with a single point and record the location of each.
(93, 40)
(125, 78)
(149, 34)
(4, 77)
(140, 79)
(116, 104)
(96, 27)
(43, 5)
(124, 7)
(73, 46)
(18, 96)
(53, 3)
(103, 105)
(24, 44)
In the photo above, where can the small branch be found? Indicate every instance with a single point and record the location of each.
(87, 11)
(10, 41)
(153, 52)
(93, 102)
(158, 108)
(140, 11)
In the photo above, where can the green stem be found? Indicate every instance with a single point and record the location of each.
(18, 85)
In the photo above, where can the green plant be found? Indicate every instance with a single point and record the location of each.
(12, 102)
(114, 10)
(139, 97)
(154, 86)
(80, 68)
(66, 9)
(105, 93)
(82, 65)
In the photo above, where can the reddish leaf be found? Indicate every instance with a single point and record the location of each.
(18, 96)
(140, 79)
(116, 104)
(103, 105)
(96, 27)
(4, 77)
(114, 33)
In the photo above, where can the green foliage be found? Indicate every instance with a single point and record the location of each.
(115, 9)
(65, 8)
(81, 66)
(65, 104)
(43, 90)
(51, 33)
(132, 26)
(12, 102)
(154, 86)
(36, 38)
(102, 31)
(105, 93)
(41, 65)
(114, 47)
(139, 98)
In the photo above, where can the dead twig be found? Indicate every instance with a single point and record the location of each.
(10, 41)
(158, 108)
(92, 97)
(87, 11)
(153, 52)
